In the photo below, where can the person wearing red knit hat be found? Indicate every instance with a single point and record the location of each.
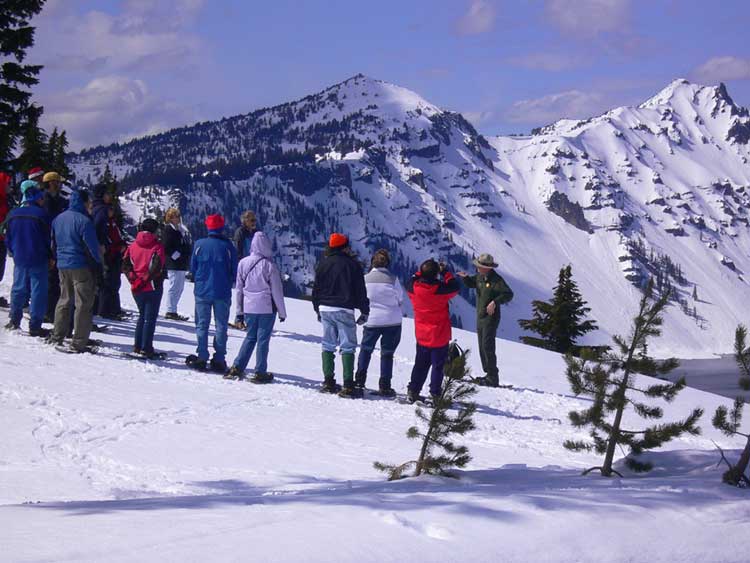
(338, 290)
(214, 267)
(36, 173)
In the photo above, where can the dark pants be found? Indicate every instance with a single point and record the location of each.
(486, 335)
(390, 337)
(148, 309)
(53, 293)
(109, 292)
(29, 282)
(2, 259)
(425, 358)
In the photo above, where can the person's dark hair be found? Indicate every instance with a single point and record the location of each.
(429, 269)
(381, 259)
(84, 195)
(150, 225)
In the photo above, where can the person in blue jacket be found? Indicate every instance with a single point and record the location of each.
(79, 262)
(28, 240)
(213, 266)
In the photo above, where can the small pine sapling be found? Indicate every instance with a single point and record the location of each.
(611, 381)
(729, 421)
(441, 425)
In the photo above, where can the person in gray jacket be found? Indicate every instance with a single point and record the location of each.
(386, 297)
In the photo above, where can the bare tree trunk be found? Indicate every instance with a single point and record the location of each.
(738, 471)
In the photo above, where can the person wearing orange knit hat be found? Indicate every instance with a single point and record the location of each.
(338, 290)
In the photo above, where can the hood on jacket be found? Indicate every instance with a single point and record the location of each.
(76, 202)
(145, 239)
(261, 245)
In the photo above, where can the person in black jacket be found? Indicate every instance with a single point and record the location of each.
(339, 288)
(243, 239)
(178, 246)
(108, 298)
(54, 204)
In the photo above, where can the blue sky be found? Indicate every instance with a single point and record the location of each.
(121, 68)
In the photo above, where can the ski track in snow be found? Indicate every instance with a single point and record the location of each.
(105, 458)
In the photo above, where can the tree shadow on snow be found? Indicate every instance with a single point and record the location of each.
(547, 488)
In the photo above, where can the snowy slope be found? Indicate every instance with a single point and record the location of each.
(110, 459)
(656, 191)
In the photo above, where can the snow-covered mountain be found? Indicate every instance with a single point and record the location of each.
(659, 190)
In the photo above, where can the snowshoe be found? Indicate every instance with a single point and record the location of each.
(40, 332)
(385, 392)
(330, 386)
(12, 326)
(176, 317)
(351, 392)
(70, 349)
(234, 373)
(99, 328)
(412, 397)
(218, 366)
(154, 355)
(262, 378)
(196, 363)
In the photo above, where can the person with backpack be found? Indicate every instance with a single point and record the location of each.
(79, 260)
(178, 245)
(386, 297)
(143, 265)
(243, 239)
(28, 239)
(260, 297)
(339, 289)
(214, 267)
(4, 209)
(492, 291)
(430, 290)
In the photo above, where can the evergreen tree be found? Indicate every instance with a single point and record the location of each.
(16, 37)
(559, 322)
(34, 143)
(729, 421)
(611, 382)
(440, 427)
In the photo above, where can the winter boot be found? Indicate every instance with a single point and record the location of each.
(234, 373)
(4, 303)
(351, 392)
(412, 397)
(386, 391)
(262, 378)
(175, 317)
(12, 326)
(43, 332)
(359, 379)
(196, 363)
(487, 381)
(330, 386)
(347, 361)
(219, 366)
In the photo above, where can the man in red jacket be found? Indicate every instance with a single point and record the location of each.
(4, 185)
(430, 290)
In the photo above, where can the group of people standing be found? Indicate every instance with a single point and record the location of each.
(77, 247)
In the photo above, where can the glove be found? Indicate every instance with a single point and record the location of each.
(362, 319)
(282, 319)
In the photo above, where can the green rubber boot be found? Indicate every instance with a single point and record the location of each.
(329, 376)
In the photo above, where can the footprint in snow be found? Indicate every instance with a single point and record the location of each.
(430, 530)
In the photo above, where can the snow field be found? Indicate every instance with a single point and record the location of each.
(104, 458)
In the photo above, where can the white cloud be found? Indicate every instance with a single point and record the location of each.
(553, 62)
(111, 108)
(588, 18)
(719, 69)
(480, 18)
(572, 104)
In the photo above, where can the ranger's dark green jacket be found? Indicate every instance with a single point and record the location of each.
(491, 287)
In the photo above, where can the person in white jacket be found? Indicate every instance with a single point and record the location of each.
(386, 295)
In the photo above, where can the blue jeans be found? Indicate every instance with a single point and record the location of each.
(425, 358)
(259, 328)
(148, 308)
(220, 309)
(34, 280)
(390, 337)
(339, 329)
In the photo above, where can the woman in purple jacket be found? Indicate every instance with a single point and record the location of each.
(259, 298)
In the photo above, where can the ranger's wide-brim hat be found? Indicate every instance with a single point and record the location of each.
(485, 261)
